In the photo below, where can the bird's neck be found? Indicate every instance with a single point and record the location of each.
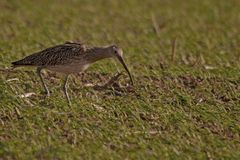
(98, 53)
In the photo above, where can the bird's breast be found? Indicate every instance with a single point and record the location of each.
(69, 68)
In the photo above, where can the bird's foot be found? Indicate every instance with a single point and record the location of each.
(69, 102)
(47, 94)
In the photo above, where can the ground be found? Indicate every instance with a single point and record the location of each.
(184, 56)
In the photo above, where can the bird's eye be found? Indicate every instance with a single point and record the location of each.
(115, 52)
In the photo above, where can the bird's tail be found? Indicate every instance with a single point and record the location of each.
(14, 64)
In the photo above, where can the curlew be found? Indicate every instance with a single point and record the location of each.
(69, 58)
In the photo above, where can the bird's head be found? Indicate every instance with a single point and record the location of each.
(118, 53)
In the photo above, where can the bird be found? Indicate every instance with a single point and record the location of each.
(69, 58)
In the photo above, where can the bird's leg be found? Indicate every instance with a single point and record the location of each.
(65, 86)
(39, 69)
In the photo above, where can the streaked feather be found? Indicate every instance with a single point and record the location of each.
(57, 55)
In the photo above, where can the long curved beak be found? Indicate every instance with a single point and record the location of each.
(125, 66)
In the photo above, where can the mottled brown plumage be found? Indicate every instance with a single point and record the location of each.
(57, 55)
(69, 58)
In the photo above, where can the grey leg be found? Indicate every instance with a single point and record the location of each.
(65, 86)
(39, 69)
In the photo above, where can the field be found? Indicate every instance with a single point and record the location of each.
(184, 56)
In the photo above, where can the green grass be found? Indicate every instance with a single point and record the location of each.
(183, 106)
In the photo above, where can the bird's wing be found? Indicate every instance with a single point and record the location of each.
(57, 55)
